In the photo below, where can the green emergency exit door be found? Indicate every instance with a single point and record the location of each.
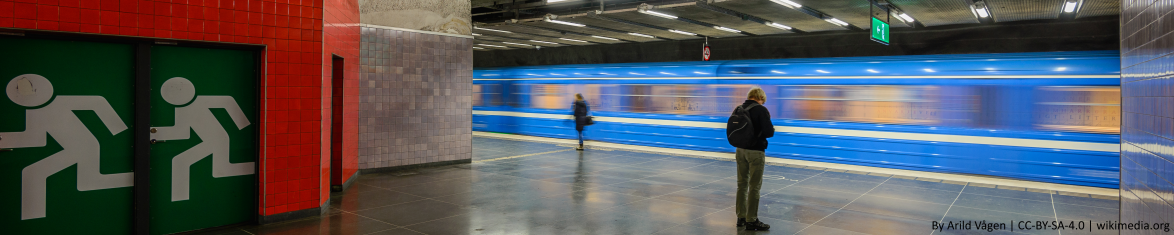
(66, 164)
(204, 123)
(67, 144)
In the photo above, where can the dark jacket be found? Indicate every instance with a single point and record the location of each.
(581, 110)
(763, 128)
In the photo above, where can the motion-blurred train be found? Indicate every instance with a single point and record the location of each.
(1051, 117)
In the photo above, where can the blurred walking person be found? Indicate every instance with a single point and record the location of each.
(747, 129)
(581, 118)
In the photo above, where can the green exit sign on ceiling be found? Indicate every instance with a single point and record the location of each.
(880, 31)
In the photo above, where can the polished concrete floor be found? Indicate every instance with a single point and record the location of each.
(519, 187)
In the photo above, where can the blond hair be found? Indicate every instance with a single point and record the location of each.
(578, 97)
(756, 93)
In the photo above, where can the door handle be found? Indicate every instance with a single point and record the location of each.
(4, 150)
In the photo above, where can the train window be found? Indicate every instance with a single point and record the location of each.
(677, 99)
(477, 101)
(1093, 109)
(868, 104)
(550, 96)
(636, 98)
(486, 95)
(591, 92)
(732, 96)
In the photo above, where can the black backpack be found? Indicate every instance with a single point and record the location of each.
(739, 129)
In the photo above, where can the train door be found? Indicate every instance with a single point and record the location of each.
(204, 124)
(67, 152)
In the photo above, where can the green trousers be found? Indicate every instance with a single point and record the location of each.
(750, 165)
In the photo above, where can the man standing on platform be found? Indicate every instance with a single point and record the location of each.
(747, 129)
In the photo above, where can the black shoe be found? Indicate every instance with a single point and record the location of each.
(757, 225)
(741, 222)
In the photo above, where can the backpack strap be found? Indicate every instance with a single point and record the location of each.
(747, 108)
(751, 106)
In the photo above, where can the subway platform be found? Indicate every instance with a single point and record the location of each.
(530, 185)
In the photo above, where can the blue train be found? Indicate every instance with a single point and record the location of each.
(1051, 117)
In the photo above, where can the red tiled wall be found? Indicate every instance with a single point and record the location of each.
(341, 37)
(296, 96)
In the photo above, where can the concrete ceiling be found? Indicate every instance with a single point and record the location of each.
(626, 21)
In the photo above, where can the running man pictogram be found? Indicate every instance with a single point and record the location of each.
(197, 116)
(79, 146)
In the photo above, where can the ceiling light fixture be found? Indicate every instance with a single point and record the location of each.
(835, 21)
(787, 3)
(554, 1)
(641, 35)
(980, 9)
(476, 34)
(1070, 6)
(658, 14)
(613, 39)
(905, 17)
(777, 25)
(544, 42)
(488, 45)
(682, 32)
(503, 31)
(478, 48)
(519, 44)
(727, 29)
(573, 40)
(565, 23)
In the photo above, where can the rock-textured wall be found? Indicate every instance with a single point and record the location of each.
(444, 16)
(415, 96)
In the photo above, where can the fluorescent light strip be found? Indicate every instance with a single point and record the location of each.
(519, 44)
(641, 35)
(663, 15)
(544, 42)
(492, 29)
(980, 9)
(787, 3)
(777, 25)
(682, 32)
(573, 40)
(613, 39)
(727, 29)
(836, 22)
(554, 1)
(1070, 6)
(566, 23)
(491, 45)
(476, 34)
(906, 17)
(478, 48)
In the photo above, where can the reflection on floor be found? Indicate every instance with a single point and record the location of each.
(517, 187)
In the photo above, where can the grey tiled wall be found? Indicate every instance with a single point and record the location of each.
(415, 98)
(1147, 113)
